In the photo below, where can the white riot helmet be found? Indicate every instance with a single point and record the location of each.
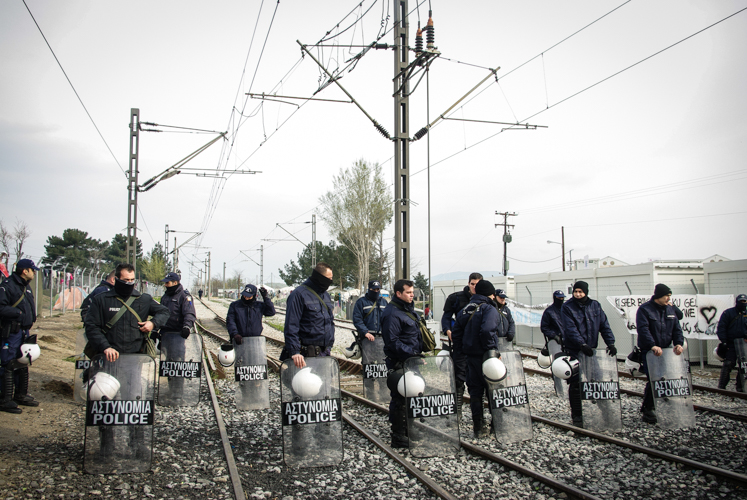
(101, 387)
(226, 355)
(633, 363)
(440, 359)
(29, 353)
(494, 370)
(564, 367)
(413, 383)
(720, 351)
(544, 360)
(306, 384)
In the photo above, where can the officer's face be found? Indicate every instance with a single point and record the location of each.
(407, 296)
(328, 274)
(127, 276)
(500, 300)
(662, 301)
(578, 294)
(169, 284)
(27, 274)
(471, 285)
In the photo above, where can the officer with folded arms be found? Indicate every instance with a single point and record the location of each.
(244, 318)
(583, 321)
(17, 315)
(732, 326)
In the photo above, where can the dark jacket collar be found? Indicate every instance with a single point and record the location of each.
(404, 305)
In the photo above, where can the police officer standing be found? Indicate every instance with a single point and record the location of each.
(480, 322)
(506, 325)
(551, 324)
(179, 303)
(244, 318)
(731, 326)
(402, 340)
(105, 285)
(583, 321)
(367, 318)
(309, 318)
(17, 315)
(658, 327)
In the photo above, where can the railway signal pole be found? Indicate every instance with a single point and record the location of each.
(131, 251)
(401, 143)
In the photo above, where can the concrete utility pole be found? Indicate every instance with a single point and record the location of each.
(313, 241)
(562, 244)
(210, 281)
(166, 248)
(224, 278)
(401, 143)
(131, 251)
(506, 237)
(261, 265)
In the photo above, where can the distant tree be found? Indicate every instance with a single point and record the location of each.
(117, 251)
(73, 248)
(153, 267)
(421, 282)
(14, 239)
(357, 210)
(341, 259)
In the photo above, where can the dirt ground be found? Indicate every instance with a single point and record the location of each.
(50, 382)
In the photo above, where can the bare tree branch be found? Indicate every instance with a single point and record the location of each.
(21, 233)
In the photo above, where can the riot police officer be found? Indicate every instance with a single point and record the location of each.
(506, 327)
(551, 324)
(367, 318)
(17, 315)
(104, 286)
(583, 321)
(731, 326)
(181, 320)
(244, 318)
(402, 340)
(309, 318)
(658, 327)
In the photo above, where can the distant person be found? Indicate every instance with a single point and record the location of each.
(244, 318)
(427, 311)
(3, 263)
(366, 318)
(199, 293)
(106, 285)
(732, 326)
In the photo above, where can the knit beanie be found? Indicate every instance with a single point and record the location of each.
(484, 288)
(661, 290)
(583, 286)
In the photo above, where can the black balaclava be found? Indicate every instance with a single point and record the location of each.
(372, 296)
(558, 301)
(123, 289)
(171, 290)
(320, 281)
(249, 300)
(741, 306)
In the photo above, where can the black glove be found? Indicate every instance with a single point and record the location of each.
(557, 339)
(263, 291)
(238, 339)
(587, 350)
(185, 332)
(612, 350)
(154, 335)
(510, 338)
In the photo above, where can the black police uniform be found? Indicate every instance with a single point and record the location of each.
(551, 324)
(309, 322)
(104, 286)
(455, 302)
(181, 320)
(731, 326)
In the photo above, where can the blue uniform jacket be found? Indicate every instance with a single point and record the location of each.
(455, 302)
(657, 326)
(307, 321)
(104, 286)
(245, 317)
(181, 308)
(506, 325)
(402, 338)
(551, 324)
(582, 324)
(479, 334)
(371, 323)
(13, 288)
(731, 326)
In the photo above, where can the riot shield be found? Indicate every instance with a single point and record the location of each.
(311, 413)
(509, 402)
(556, 351)
(432, 422)
(81, 364)
(374, 370)
(504, 345)
(600, 392)
(119, 414)
(741, 346)
(672, 389)
(250, 371)
(180, 370)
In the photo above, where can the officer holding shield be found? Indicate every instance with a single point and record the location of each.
(658, 327)
(244, 318)
(732, 326)
(583, 321)
(552, 322)
(506, 325)
(179, 303)
(366, 318)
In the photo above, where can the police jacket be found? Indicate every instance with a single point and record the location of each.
(657, 326)
(179, 303)
(367, 314)
(402, 337)
(104, 286)
(454, 303)
(731, 326)
(13, 288)
(582, 324)
(478, 323)
(506, 325)
(125, 335)
(551, 324)
(245, 316)
(307, 320)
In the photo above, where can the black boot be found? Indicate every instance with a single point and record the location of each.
(399, 428)
(726, 368)
(106, 442)
(480, 428)
(138, 446)
(740, 380)
(647, 409)
(22, 389)
(7, 403)
(574, 398)
(460, 400)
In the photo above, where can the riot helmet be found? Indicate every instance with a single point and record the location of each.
(544, 360)
(564, 367)
(29, 353)
(720, 351)
(633, 363)
(306, 384)
(493, 369)
(411, 385)
(226, 355)
(101, 387)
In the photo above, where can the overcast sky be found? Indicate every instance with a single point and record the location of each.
(648, 164)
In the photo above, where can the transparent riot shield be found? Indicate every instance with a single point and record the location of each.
(432, 422)
(250, 372)
(741, 346)
(311, 413)
(672, 389)
(374, 370)
(555, 351)
(504, 345)
(180, 370)
(600, 392)
(119, 414)
(509, 402)
(81, 364)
